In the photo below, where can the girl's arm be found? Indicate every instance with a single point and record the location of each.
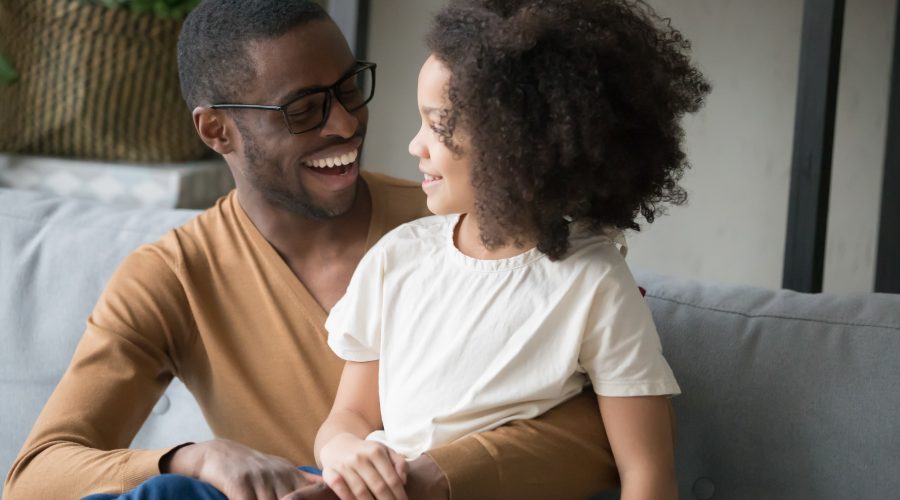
(352, 466)
(640, 431)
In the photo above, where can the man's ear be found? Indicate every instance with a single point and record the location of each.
(214, 129)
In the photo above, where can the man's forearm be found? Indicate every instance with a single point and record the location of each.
(426, 481)
(47, 472)
(562, 454)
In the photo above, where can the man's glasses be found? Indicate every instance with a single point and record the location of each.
(310, 109)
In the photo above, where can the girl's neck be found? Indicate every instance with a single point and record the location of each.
(467, 239)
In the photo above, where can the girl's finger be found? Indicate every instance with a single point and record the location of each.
(376, 483)
(387, 469)
(338, 484)
(400, 464)
(357, 485)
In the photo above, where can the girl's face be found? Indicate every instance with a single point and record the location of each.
(447, 183)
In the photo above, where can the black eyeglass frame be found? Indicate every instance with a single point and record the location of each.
(326, 108)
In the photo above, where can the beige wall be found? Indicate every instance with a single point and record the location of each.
(733, 229)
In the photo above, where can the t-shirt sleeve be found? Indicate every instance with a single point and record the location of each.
(354, 324)
(620, 350)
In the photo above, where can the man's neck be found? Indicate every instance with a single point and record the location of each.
(299, 236)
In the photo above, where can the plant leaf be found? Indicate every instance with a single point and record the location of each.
(164, 9)
(8, 74)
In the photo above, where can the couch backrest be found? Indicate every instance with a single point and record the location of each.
(55, 258)
(784, 395)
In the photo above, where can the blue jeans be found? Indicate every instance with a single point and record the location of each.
(172, 486)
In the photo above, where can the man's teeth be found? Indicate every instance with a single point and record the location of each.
(334, 161)
(430, 178)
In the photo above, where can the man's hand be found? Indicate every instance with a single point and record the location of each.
(357, 469)
(426, 481)
(239, 472)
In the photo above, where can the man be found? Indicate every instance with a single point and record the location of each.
(234, 302)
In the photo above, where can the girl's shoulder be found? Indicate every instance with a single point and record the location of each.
(596, 254)
(424, 232)
(609, 241)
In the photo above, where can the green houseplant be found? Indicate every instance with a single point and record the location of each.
(7, 72)
(172, 9)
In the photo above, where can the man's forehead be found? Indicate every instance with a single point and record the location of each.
(313, 54)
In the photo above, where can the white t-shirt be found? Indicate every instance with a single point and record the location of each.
(466, 345)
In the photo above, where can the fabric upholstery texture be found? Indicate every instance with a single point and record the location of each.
(784, 395)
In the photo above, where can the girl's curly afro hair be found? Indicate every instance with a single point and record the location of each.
(573, 112)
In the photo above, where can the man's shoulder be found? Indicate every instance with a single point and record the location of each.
(402, 200)
(196, 236)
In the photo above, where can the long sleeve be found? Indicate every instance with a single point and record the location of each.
(562, 454)
(120, 368)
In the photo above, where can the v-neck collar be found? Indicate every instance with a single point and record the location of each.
(315, 312)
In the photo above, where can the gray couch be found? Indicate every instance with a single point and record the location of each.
(785, 395)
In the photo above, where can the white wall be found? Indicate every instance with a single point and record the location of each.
(733, 229)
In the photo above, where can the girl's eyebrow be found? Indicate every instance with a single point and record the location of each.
(428, 110)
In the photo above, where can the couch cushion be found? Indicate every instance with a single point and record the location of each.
(55, 258)
(785, 395)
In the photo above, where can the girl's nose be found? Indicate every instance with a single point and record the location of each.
(416, 147)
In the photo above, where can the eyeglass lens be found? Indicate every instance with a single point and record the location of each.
(309, 111)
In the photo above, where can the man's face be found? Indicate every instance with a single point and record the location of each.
(280, 165)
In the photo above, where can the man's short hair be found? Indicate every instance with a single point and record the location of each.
(213, 63)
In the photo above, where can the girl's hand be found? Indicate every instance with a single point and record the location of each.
(357, 469)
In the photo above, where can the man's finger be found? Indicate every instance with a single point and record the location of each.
(263, 490)
(286, 483)
(241, 490)
(318, 491)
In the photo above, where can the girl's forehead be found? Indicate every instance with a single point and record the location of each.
(433, 80)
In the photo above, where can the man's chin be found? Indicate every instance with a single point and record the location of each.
(300, 204)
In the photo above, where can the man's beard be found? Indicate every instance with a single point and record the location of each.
(259, 172)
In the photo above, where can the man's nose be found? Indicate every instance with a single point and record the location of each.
(340, 122)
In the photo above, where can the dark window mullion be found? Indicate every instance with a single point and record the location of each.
(887, 268)
(820, 53)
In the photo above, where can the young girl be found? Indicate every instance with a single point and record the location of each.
(548, 127)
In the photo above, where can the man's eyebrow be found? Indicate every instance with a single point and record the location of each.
(290, 96)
